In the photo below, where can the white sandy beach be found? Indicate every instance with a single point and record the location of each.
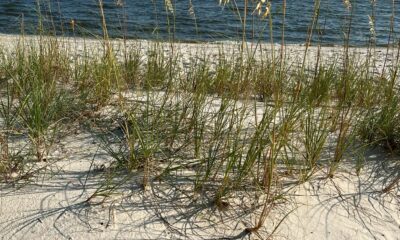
(53, 205)
(188, 52)
(53, 202)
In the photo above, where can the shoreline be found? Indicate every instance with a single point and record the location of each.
(293, 53)
(249, 44)
(201, 42)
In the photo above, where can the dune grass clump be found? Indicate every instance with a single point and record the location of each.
(37, 78)
(380, 122)
(8, 119)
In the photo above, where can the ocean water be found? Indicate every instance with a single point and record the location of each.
(204, 20)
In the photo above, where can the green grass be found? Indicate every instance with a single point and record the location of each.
(239, 124)
(234, 123)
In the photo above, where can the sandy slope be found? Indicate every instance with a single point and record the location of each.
(54, 204)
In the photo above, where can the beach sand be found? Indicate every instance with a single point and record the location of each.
(55, 202)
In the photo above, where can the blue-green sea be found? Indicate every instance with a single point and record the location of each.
(206, 20)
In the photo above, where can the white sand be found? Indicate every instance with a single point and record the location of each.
(53, 204)
(188, 52)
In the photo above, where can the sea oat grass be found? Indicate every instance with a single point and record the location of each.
(219, 126)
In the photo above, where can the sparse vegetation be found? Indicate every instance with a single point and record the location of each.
(235, 123)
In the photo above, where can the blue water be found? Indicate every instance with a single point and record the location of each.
(148, 19)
